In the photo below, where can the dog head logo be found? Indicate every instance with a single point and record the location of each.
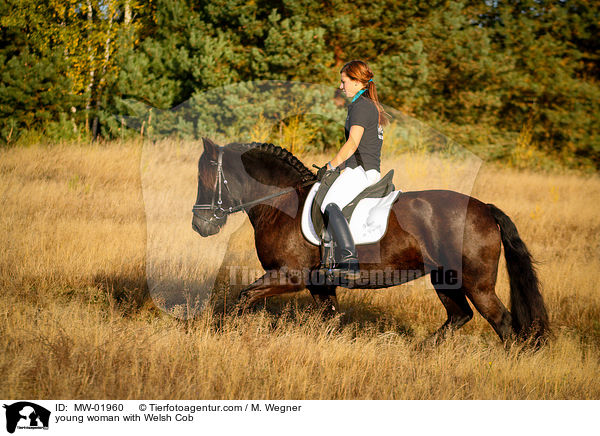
(26, 415)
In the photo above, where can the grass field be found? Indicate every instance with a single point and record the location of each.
(76, 320)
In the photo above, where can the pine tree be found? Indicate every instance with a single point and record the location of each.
(542, 83)
(33, 89)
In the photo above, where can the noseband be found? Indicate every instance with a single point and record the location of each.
(218, 211)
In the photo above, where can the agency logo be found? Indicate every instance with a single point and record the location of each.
(26, 415)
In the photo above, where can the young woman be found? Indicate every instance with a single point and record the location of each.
(358, 160)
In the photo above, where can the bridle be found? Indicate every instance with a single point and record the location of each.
(218, 211)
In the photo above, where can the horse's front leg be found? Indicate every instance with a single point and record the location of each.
(325, 297)
(274, 282)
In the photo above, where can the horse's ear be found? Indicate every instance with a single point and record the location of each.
(210, 148)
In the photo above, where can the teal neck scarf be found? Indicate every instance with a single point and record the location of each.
(358, 94)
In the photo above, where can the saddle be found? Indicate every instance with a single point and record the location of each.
(367, 214)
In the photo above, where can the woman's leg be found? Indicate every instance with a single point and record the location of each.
(350, 183)
(373, 176)
(346, 187)
(346, 258)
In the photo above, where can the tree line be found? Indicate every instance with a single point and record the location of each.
(483, 71)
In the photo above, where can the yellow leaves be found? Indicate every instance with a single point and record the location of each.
(537, 213)
(261, 131)
(525, 151)
(296, 135)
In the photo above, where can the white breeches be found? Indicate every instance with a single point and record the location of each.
(348, 185)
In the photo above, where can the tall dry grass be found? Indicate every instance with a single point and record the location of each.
(75, 320)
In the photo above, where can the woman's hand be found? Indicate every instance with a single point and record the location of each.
(322, 171)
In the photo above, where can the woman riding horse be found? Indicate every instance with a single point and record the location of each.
(360, 157)
(427, 231)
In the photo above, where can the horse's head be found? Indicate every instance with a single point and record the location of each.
(241, 176)
(213, 198)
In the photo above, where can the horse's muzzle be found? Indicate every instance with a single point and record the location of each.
(203, 227)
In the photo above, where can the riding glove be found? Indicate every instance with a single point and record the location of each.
(323, 171)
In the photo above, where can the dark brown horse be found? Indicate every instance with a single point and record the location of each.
(454, 237)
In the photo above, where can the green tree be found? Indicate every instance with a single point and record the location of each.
(33, 89)
(545, 79)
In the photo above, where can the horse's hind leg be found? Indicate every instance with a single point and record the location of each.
(458, 310)
(487, 303)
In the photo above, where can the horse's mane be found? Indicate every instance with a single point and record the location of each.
(280, 154)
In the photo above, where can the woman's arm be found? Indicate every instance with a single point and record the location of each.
(348, 149)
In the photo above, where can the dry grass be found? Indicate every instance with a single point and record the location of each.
(75, 321)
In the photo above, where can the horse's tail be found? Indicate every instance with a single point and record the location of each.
(529, 316)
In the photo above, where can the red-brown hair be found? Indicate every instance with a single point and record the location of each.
(360, 71)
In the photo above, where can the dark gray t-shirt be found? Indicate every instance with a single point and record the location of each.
(368, 154)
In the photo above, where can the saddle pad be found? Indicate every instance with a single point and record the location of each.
(368, 222)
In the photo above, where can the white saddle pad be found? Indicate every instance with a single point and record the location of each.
(368, 222)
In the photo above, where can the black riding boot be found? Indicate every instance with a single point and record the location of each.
(345, 258)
